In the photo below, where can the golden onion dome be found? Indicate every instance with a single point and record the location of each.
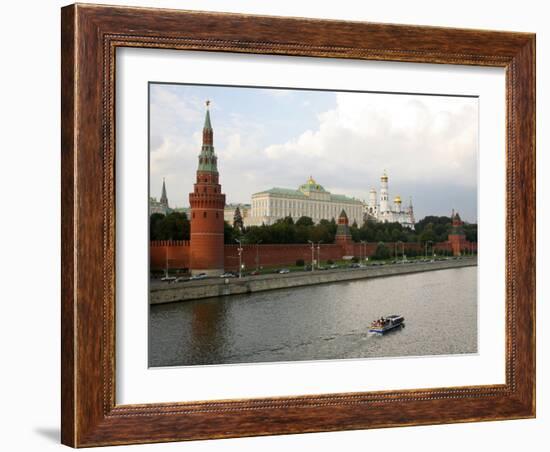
(384, 177)
(311, 181)
(397, 200)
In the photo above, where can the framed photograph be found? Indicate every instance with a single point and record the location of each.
(281, 225)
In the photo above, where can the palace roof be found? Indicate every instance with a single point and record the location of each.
(304, 190)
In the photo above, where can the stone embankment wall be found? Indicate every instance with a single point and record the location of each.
(162, 292)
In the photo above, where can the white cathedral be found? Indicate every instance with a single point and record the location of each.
(380, 209)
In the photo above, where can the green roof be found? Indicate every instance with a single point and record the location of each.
(342, 198)
(283, 191)
(311, 185)
(207, 159)
(300, 195)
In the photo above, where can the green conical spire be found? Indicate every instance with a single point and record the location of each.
(207, 158)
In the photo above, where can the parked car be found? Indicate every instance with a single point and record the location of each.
(227, 275)
(254, 273)
(169, 279)
(333, 266)
(354, 265)
(198, 276)
(284, 271)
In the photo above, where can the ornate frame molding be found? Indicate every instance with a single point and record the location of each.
(90, 37)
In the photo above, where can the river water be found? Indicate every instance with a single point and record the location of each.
(321, 322)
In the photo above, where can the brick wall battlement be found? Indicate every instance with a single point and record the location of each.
(175, 254)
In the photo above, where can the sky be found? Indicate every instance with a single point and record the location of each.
(266, 138)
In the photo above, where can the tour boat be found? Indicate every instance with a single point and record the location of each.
(385, 324)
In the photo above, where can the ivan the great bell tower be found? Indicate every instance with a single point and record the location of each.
(207, 204)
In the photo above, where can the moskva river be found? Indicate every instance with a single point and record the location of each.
(321, 322)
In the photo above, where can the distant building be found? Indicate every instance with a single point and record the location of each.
(309, 200)
(457, 237)
(162, 205)
(380, 209)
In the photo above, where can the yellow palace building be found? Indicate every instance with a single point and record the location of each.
(309, 200)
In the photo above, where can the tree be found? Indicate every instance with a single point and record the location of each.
(380, 236)
(428, 234)
(382, 252)
(286, 220)
(174, 226)
(304, 221)
(320, 233)
(154, 226)
(396, 235)
(354, 231)
(283, 231)
(470, 230)
(229, 234)
(238, 220)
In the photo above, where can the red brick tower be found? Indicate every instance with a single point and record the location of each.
(457, 236)
(207, 204)
(343, 234)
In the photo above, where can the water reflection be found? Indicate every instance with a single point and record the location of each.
(208, 329)
(321, 322)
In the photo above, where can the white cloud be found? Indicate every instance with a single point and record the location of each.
(414, 138)
(427, 144)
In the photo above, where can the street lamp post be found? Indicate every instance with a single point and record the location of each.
(312, 253)
(258, 255)
(402, 250)
(364, 249)
(240, 251)
(426, 248)
(319, 252)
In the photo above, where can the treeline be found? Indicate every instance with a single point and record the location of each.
(284, 231)
(176, 226)
(437, 229)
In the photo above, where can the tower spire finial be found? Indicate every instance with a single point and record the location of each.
(207, 123)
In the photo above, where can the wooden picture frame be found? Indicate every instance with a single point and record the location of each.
(90, 36)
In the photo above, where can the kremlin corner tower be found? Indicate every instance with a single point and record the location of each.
(207, 208)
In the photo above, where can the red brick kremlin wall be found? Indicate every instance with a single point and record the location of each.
(175, 254)
(169, 253)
